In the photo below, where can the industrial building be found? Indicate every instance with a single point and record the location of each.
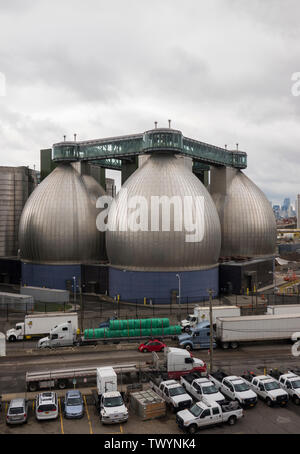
(60, 246)
(16, 184)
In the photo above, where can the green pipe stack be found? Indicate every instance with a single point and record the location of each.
(134, 328)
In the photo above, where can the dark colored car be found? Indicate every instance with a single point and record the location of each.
(152, 346)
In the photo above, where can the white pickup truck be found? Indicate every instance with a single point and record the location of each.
(267, 388)
(204, 414)
(235, 388)
(200, 387)
(290, 382)
(172, 392)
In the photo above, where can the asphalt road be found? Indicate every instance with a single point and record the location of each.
(13, 368)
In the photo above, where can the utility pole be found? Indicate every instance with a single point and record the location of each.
(81, 305)
(211, 332)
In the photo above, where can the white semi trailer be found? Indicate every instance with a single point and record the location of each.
(283, 309)
(231, 331)
(38, 325)
(201, 313)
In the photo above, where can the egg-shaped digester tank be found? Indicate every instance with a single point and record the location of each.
(149, 262)
(247, 219)
(58, 227)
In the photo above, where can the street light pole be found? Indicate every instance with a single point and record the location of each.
(74, 289)
(179, 293)
(211, 344)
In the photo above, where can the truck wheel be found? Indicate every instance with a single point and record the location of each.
(296, 400)
(232, 420)
(188, 348)
(12, 339)
(186, 329)
(193, 429)
(225, 345)
(234, 345)
(33, 386)
(62, 384)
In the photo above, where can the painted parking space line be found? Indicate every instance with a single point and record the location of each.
(121, 428)
(61, 418)
(88, 415)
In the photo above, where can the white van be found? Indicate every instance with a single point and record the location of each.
(46, 406)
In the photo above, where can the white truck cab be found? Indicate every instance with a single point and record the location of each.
(16, 333)
(268, 389)
(111, 406)
(290, 382)
(59, 336)
(235, 388)
(204, 414)
(201, 388)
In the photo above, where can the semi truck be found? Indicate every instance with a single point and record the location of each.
(201, 313)
(109, 401)
(205, 413)
(176, 362)
(231, 331)
(38, 325)
(234, 388)
(67, 335)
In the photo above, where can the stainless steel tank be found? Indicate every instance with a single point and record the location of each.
(163, 174)
(58, 223)
(247, 219)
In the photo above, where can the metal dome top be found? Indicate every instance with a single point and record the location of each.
(247, 219)
(163, 174)
(58, 222)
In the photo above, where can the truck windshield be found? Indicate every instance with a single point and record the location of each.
(209, 389)
(195, 410)
(296, 384)
(272, 385)
(177, 391)
(241, 387)
(113, 401)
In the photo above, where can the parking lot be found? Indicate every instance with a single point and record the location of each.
(259, 420)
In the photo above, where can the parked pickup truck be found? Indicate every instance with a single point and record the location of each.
(235, 388)
(267, 388)
(200, 387)
(290, 382)
(204, 414)
(172, 392)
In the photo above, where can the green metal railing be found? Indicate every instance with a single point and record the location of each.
(109, 152)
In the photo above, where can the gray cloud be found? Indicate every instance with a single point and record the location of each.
(221, 70)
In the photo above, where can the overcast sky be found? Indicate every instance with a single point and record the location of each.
(221, 70)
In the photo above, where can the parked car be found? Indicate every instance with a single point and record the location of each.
(17, 412)
(73, 404)
(152, 346)
(46, 406)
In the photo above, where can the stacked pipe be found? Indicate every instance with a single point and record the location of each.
(134, 328)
